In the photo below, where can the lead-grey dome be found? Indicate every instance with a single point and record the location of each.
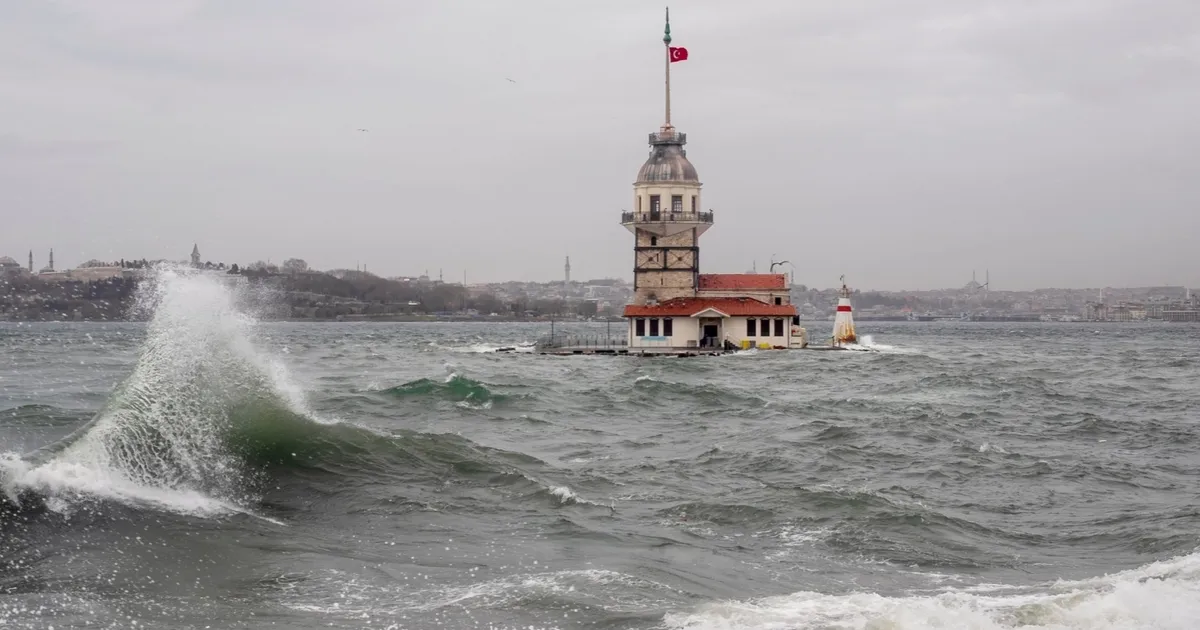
(668, 161)
(7, 261)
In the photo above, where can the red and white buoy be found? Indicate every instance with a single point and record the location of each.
(843, 321)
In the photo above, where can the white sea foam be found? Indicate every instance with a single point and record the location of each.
(1160, 596)
(481, 347)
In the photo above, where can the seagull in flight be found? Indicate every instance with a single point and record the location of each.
(509, 80)
(362, 129)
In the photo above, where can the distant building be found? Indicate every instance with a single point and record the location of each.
(9, 266)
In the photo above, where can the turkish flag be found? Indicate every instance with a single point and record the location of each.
(678, 54)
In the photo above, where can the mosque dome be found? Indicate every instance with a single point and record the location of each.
(7, 261)
(668, 161)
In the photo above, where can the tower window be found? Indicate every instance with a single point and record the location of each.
(668, 326)
(677, 203)
(750, 327)
(653, 241)
(639, 326)
(693, 203)
(639, 203)
(778, 301)
(654, 328)
(655, 203)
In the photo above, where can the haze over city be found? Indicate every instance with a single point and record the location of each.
(900, 144)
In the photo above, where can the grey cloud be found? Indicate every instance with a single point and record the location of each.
(900, 143)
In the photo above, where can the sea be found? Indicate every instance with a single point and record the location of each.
(205, 469)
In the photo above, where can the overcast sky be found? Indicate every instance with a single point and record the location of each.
(1054, 142)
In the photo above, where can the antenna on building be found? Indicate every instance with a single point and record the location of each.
(667, 44)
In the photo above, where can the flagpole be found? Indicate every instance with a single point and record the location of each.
(667, 46)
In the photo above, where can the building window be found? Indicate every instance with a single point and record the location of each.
(654, 328)
(796, 320)
(639, 326)
(668, 326)
(654, 203)
(677, 203)
(653, 241)
(639, 203)
(693, 203)
(750, 326)
(765, 327)
(778, 301)
(779, 328)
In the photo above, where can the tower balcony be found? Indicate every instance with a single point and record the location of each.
(666, 223)
(669, 136)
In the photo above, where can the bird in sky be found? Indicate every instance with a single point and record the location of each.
(362, 129)
(509, 80)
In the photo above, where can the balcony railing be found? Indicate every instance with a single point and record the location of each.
(668, 137)
(666, 217)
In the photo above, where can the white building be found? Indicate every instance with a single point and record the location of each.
(674, 305)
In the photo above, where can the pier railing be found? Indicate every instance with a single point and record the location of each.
(582, 341)
(667, 217)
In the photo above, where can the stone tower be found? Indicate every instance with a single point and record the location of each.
(667, 219)
(195, 255)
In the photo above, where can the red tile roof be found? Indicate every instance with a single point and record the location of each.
(689, 307)
(736, 281)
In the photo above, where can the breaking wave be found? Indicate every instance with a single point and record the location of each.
(162, 438)
(206, 417)
(1162, 595)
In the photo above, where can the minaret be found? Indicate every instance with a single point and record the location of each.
(567, 277)
(51, 265)
(31, 261)
(666, 220)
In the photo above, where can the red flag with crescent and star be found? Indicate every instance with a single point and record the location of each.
(678, 53)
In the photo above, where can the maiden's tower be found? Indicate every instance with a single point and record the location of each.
(675, 307)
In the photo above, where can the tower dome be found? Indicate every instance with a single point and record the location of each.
(668, 160)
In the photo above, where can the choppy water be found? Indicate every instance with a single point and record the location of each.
(211, 471)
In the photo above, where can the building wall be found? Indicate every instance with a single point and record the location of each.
(734, 329)
(664, 284)
(683, 330)
(643, 192)
(767, 296)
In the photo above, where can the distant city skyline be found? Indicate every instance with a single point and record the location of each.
(457, 276)
(900, 145)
